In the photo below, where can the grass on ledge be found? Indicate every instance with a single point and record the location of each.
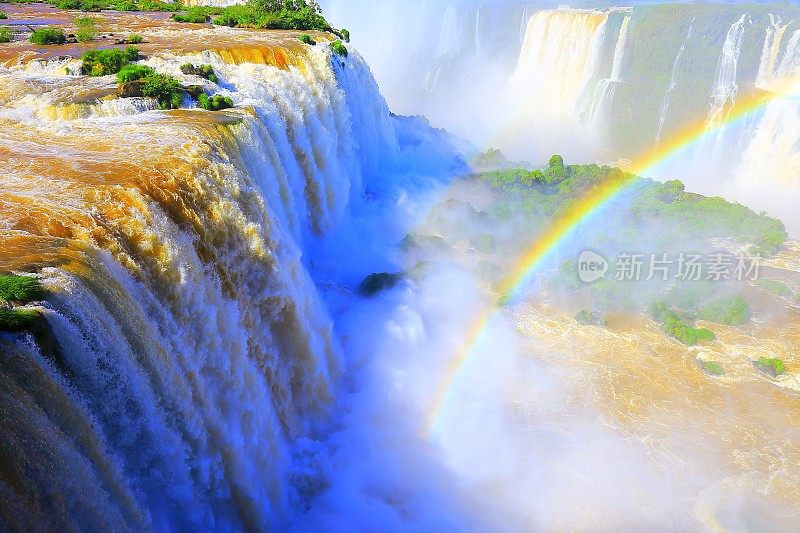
(214, 103)
(6, 36)
(166, 89)
(130, 73)
(21, 289)
(15, 320)
(105, 62)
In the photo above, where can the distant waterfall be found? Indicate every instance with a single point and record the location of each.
(604, 92)
(773, 146)
(725, 88)
(663, 113)
(183, 346)
(558, 58)
(772, 46)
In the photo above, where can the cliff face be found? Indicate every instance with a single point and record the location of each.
(591, 83)
(186, 343)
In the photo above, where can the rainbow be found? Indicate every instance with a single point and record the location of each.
(573, 217)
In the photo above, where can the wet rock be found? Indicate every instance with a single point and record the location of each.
(194, 90)
(132, 89)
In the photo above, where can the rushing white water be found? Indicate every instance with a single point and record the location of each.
(604, 92)
(663, 113)
(558, 58)
(725, 88)
(197, 349)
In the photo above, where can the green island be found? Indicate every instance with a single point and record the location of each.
(771, 366)
(659, 214)
(712, 368)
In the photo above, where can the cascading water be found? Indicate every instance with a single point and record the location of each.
(604, 92)
(183, 346)
(558, 58)
(662, 116)
(725, 87)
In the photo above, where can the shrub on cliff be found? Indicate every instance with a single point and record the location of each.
(105, 62)
(21, 289)
(214, 103)
(15, 320)
(3, 15)
(135, 39)
(338, 48)
(204, 71)
(345, 35)
(306, 39)
(45, 36)
(6, 36)
(166, 89)
(130, 73)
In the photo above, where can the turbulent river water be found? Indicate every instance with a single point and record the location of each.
(204, 361)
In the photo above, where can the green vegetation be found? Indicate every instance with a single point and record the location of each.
(204, 71)
(275, 15)
(772, 366)
(776, 287)
(214, 103)
(45, 36)
(3, 15)
(105, 62)
(132, 72)
(674, 325)
(15, 320)
(5, 35)
(375, 283)
(546, 192)
(727, 310)
(712, 368)
(166, 89)
(118, 5)
(135, 39)
(345, 35)
(338, 48)
(590, 318)
(22, 289)
(194, 15)
(86, 29)
(306, 39)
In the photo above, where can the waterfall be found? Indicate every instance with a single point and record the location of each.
(183, 346)
(604, 92)
(772, 45)
(725, 88)
(662, 115)
(558, 58)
